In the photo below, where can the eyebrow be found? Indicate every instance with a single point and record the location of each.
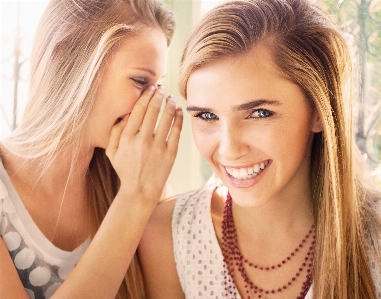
(148, 70)
(256, 103)
(245, 106)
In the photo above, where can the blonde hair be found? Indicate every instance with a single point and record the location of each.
(73, 39)
(310, 52)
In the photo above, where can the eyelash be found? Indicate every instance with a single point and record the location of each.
(144, 82)
(141, 82)
(202, 114)
(268, 112)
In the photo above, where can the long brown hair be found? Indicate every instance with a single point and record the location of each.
(312, 53)
(73, 39)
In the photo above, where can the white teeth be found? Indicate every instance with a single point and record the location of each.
(243, 174)
(247, 173)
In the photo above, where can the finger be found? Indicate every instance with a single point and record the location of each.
(115, 135)
(174, 135)
(166, 120)
(152, 113)
(138, 111)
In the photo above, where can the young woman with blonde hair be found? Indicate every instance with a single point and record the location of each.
(81, 175)
(267, 86)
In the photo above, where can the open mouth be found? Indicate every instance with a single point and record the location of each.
(245, 173)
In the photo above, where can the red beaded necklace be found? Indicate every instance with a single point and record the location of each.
(233, 258)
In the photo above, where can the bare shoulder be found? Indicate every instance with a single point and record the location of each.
(161, 219)
(159, 227)
(156, 254)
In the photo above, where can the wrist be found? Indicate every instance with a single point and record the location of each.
(137, 198)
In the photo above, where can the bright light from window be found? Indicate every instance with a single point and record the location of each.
(26, 13)
(207, 5)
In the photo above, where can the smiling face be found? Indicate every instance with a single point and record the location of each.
(136, 63)
(253, 127)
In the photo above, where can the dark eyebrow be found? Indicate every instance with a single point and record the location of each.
(254, 104)
(195, 108)
(246, 106)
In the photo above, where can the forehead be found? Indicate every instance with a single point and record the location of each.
(146, 49)
(236, 80)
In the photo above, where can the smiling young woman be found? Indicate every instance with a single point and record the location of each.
(291, 214)
(253, 128)
(76, 180)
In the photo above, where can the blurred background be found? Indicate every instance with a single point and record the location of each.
(360, 19)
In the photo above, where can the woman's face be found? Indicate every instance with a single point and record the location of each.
(136, 63)
(253, 127)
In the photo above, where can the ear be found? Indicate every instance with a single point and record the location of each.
(316, 125)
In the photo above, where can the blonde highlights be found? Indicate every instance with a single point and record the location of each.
(73, 40)
(312, 53)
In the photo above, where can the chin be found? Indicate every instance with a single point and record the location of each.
(248, 199)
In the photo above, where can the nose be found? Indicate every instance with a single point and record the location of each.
(232, 143)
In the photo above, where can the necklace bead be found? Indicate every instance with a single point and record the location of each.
(234, 259)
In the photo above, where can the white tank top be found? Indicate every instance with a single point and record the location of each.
(42, 267)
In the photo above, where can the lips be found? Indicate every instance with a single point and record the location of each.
(244, 173)
(245, 177)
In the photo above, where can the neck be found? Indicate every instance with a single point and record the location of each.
(279, 218)
(62, 178)
(55, 193)
(283, 216)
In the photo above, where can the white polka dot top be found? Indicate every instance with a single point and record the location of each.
(198, 256)
(42, 267)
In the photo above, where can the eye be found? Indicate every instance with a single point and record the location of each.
(261, 113)
(140, 81)
(206, 116)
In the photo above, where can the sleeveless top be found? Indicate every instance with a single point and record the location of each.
(198, 256)
(41, 266)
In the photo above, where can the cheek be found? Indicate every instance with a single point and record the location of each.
(132, 97)
(294, 142)
(260, 137)
(123, 100)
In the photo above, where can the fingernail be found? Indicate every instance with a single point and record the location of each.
(179, 110)
(151, 88)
